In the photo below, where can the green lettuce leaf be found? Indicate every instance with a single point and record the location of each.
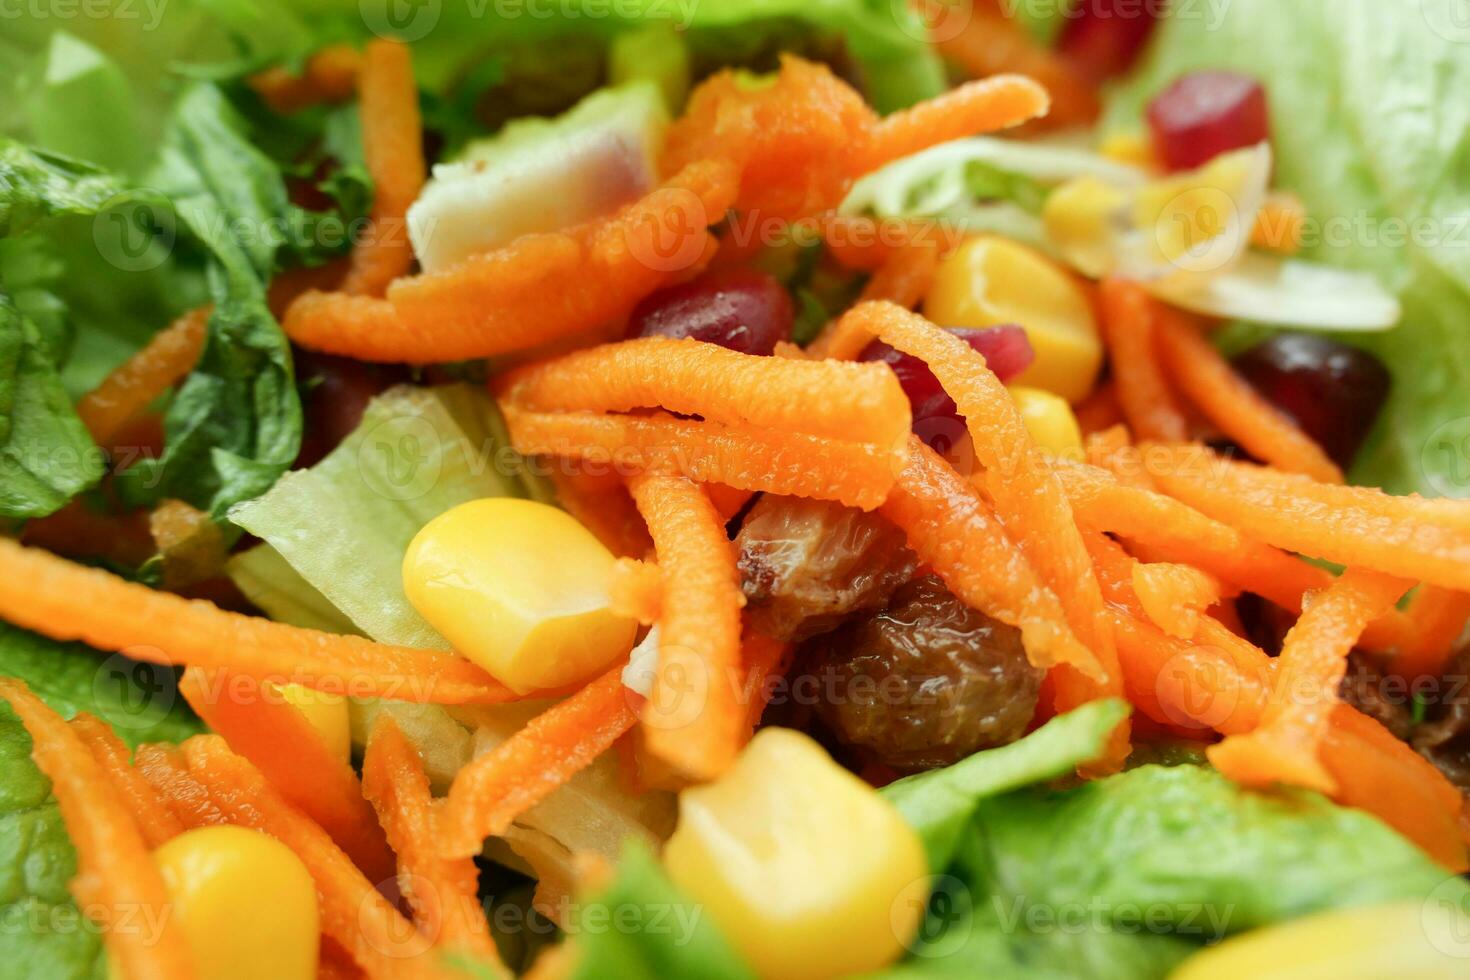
(1369, 128)
(940, 803)
(46, 934)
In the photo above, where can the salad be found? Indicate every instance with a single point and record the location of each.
(735, 489)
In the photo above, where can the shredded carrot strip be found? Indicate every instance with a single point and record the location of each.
(1377, 772)
(330, 76)
(167, 771)
(982, 106)
(500, 785)
(78, 531)
(538, 289)
(1281, 224)
(1286, 745)
(600, 501)
(1209, 381)
(295, 282)
(790, 463)
(953, 530)
(393, 148)
(1353, 526)
(1100, 411)
(448, 910)
(905, 279)
(1174, 596)
(693, 719)
(1025, 492)
(115, 870)
(636, 590)
(727, 501)
(353, 913)
(763, 658)
(136, 383)
(986, 41)
(334, 963)
(1437, 619)
(155, 821)
(862, 402)
(869, 244)
(1129, 324)
(276, 737)
(66, 601)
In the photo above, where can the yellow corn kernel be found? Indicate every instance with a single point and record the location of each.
(1424, 940)
(1079, 217)
(327, 714)
(1050, 421)
(1135, 149)
(245, 903)
(801, 864)
(520, 588)
(989, 281)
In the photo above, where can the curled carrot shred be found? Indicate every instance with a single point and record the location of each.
(905, 279)
(868, 244)
(1436, 621)
(329, 76)
(538, 289)
(1129, 325)
(953, 530)
(693, 720)
(277, 738)
(135, 384)
(66, 601)
(861, 402)
(393, 149)
(353, 913)
(155, 821)
(1354, 526)
(116, 873)
(636, 590)
(791, 463)
(763, 657)
(165, 769)
(986, 105)
(500, 785)
(1100, 411)
(1208, 381)
(1285, 747)
(1174, 596)
(441, 891)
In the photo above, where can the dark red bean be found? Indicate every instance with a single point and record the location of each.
(1105, 37)
(744, 310)
(335, 392)
(1205, 114)
(1333, 391)
(1006, 350)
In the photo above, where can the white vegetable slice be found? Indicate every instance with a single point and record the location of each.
(1289, 292)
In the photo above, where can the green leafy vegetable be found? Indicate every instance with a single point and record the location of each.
(939, 804)
(46, 934)
(670, 936)
(1368, 130)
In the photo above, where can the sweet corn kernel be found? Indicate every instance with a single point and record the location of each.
(1425, 941)
(1050, 421)
(327, 714)
(245, 903)
(1135, 149)
(988, 281)
(520, 588)
(801, 864)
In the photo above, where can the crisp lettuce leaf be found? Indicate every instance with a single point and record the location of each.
(1369, 127)
(939, 803)
(46, 934)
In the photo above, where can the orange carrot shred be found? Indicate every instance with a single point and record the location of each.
(1286, 745)
(600, 501)
(1354, 526)
(869, 244)
(861, 402)
(260, 725)
(353, 913)
(789, 463)
(330, 76)
(1129, 325)
(1174, 596)
(116, 872)
(693, 719)
(66, 601)
(635, 589)
(953, 530)
(165, 769)
(498, 786)
(135, 384)
(441, 891)
(393, 149)
(1100, 411)
(905, 279)
(1025, 492)
(982, 106)
(763, 657)
(155, 821)
(1437, 619)
(1208, 380)
(78, 531)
